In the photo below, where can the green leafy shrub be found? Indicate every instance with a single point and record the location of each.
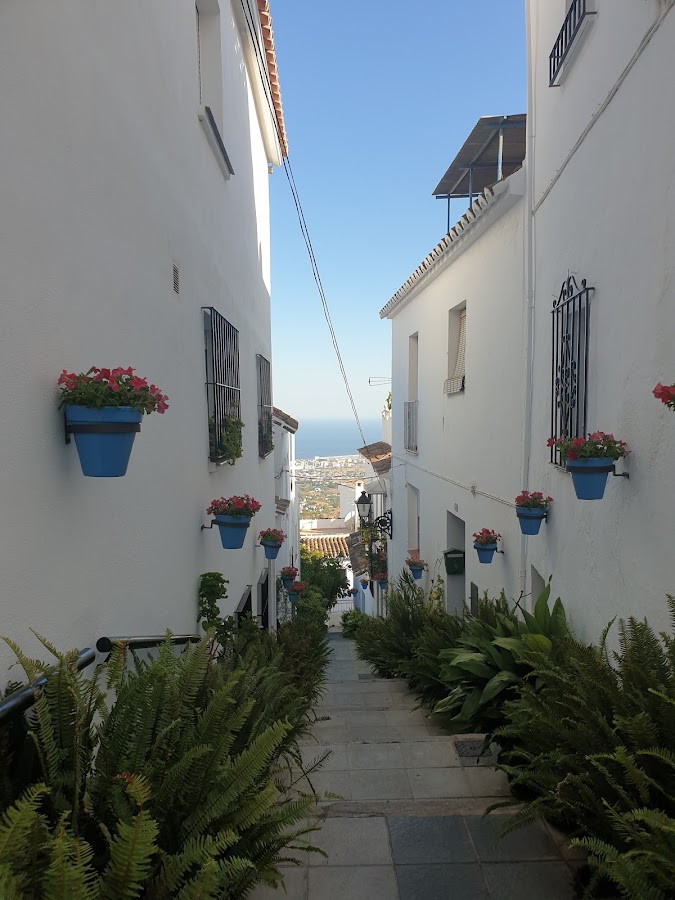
(387, 643)
(486, 665)
(589, 741)
(173, 788)
(351, 621)
(439, 632)
(325, 575)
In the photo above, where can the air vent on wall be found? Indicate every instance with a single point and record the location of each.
(176, 279)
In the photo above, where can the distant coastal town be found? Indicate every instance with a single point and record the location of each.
(318, 479)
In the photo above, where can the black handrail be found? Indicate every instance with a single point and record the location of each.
(105, 644)
(24, 697)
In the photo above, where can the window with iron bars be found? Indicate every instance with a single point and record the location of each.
(265, 439)
(570, 318)
(223, 395)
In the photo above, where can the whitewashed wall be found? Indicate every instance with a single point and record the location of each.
(285, 489)
(472, 437)
(107, 179)
(610, 218)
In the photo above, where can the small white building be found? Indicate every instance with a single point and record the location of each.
(286, 494)
(550, 309)
(135, 150)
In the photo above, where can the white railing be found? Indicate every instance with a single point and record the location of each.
(410, 425)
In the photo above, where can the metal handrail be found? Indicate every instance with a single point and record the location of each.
(24, 697)
(105, 644)
(574, 19)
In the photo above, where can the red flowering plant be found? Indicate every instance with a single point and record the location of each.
(289, 572)
(379, 576)
(486, 536)
(666, 394)
(273, 536)
(241, 507)
(597, 445)
(415, 563)
(97, 388)
(534, 500)
(297, 587)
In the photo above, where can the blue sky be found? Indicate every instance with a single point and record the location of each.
(378, 98)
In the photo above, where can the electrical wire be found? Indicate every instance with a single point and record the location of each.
(304, 229)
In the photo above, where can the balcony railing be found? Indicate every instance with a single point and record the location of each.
(576, 20)
(410, 425)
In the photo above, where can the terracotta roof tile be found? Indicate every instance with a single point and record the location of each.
(291, 423)
(327, 545)
(270, 53)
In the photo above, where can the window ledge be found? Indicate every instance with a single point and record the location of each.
(568, 43)
(215, 140)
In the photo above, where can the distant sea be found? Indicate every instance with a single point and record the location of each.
(318, 437)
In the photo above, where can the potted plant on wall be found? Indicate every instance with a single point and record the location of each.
(381, 578)
(233, 516)
(295, 590)
(531, 509)
(485, 544)
(288, 575)
(103, 409)
(364, 583)
(416, 566)
(272, 539)
(590, 460)
(666, 394)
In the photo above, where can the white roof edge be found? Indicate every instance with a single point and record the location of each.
(459, 238)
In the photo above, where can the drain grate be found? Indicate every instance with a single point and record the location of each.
(471, 748)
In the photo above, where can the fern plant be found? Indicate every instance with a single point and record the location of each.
(171, 790)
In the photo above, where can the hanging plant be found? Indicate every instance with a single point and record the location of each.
(230, 447)
(666, 394)
(233, 517)
(485, 544)
(104, 409)
(416, 566)
(590, 460)
(531, 509)
(272, 539)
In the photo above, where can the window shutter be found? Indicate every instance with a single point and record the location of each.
(455, 384)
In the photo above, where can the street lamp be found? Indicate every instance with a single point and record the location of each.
(363, 506)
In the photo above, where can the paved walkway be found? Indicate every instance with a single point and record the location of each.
(409, 824)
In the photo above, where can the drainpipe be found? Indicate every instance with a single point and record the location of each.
(529, 267)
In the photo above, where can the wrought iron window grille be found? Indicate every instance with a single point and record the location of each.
(570, 320)
(265, 437)
(223, 394)
(579, 15)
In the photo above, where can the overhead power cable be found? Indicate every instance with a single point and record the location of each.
(288, 169)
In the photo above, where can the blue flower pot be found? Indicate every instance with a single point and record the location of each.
(416, 572)
(292, 597)
(590, 477)
(232, 531)
(485, 552)
(364, 584)
(271, 550)
(286, 581)
(104, 438)
(383, 584)
(530, 519)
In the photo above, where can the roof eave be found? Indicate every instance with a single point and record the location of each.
(484, 211)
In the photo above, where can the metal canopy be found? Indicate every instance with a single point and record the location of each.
(494, 150)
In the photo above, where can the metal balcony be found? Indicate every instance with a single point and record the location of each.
(578, 18)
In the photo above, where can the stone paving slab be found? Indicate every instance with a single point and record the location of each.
(409, 823)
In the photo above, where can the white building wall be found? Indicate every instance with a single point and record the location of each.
(107, 180)
(610, 218)
(284, 476)
(472, 438)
